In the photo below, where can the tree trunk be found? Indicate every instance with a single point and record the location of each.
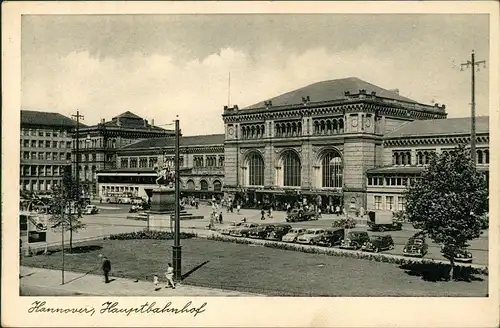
(452, 268)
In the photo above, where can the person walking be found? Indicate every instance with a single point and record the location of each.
(238, 208)
(155, 281)
(170, 276)
(220, 217)
(262, 214)
(106, 268)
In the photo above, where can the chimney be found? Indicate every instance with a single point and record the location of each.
(145, 123)
(152, 122)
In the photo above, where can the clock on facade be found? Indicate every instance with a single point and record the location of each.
(230, 131)
(354, 122)
(367, 122)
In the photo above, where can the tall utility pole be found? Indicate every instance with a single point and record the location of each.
(77, 160)
(177, 256)
(472, 64)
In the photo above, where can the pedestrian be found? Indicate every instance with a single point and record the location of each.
(244, 220)
(262, 214)
(337, 210)
(106, 268)
(155, 281)
(220, 217)
(170, 276)
(238, 208)
(319, 212)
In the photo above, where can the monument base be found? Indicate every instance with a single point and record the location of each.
(163, 201)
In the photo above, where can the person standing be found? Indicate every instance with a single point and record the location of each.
(106, 268)
(262, 214)
(238, 208)
(220, 217)
(170, 276)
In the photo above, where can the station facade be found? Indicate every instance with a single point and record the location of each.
(341, 142)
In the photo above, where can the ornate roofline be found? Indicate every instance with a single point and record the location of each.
(373, 104)
(435, 140)
(170, 150)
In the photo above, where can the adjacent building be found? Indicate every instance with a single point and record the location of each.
(45, 149)
(98, 145)
(408, 149)
(201, 163)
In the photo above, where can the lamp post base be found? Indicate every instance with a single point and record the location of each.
(177, 256)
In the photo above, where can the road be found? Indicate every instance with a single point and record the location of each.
(112, 219)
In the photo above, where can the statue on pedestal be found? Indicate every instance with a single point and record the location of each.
(165, 173)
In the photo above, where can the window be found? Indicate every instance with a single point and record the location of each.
(291, 169)
(26, 143)
(54, 144)
(143, 162)
(68, 144)
(33, 144)
(211, 161)
(190, 185)
(40, 133)
(217, 185)
(133, 162)
(389, 203)
(377, 200)
(47, 133)
(204, 185)
(401, 203)
(47, 144)
(41, 156)
(124, 163)
(55, 133)
(198, 161)
(68, 156)
(255, 169)
(332, 170)
(26, 155)
(221, 161)
(181, 161)
(153, 161)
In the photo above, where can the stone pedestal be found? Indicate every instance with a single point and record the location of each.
(163, 201)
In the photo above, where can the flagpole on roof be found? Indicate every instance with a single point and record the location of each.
(229, 91)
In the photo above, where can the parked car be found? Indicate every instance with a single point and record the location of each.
(136, 200)
(91, 209)
(416, 246)
(331, 237)
(378, 243)
(461, 254)
(355, 239)
(135, 208)
(242, 231)
(292, 235)
(279, 231)
(297, 215)
(311, 236)
(261, 231)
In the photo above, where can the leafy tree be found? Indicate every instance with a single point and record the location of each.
(448, 201)
(65, 212)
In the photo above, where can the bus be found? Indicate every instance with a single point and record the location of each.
(117, 197)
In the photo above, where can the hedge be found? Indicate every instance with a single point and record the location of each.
(356, 255)
(150, 234)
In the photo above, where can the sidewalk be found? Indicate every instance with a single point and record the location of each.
(93, 285)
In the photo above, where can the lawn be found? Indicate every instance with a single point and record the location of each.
(258, 269)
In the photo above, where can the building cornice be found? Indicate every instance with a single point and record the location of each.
(436, 140)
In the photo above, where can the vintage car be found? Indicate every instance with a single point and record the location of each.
(242, 231)
(91, 209)
(292, 235)
(461, 254)
(383, 221)
(279, 231)
(297, 215)
(378, 243)
(135, 208)
(331, 237)
(261, 231)
(355, 239)
(311, 236)
(416, 246)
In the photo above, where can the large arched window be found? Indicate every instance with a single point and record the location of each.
(332, 170)
(291, 169)
(255, 170)
(204, 185)
(217, 185)
(190, 185)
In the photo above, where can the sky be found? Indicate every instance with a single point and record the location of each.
(160, 66)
